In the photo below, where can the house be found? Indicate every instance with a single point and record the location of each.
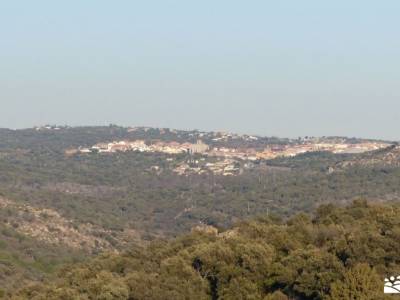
(199, 147)
(101, 147)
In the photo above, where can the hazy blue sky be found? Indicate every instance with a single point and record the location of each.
(284, 68)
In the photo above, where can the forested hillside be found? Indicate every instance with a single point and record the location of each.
(24, 260)
(73, 207)
(339, 253)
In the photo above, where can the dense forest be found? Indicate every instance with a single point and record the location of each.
(338, 253)
(58, 209)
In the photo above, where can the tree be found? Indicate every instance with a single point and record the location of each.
(359, 283)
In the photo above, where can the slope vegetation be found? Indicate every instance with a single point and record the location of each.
(339, 253)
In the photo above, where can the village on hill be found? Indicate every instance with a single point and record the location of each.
(223, 159)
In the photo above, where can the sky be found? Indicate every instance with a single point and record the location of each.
(282, 68)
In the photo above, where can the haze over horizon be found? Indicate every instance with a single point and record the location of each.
(283, 69)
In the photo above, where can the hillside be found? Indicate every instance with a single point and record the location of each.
(388, 157)
(24, 259)
(340, 253)
(89, 203)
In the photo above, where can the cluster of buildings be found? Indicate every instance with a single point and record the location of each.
(248, 154)
(293, 150)
(351, 148)
(142, 146)
(224, 136)
(244, 153)
(49, 127)
(223, 160)
(225, 167)
(337, 148)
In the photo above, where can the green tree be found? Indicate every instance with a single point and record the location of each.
(359, 283)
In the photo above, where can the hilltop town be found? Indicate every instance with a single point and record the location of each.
(224, 153)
